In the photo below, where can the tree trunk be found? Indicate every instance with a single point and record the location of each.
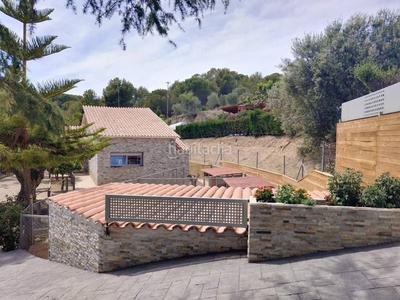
(29, 180)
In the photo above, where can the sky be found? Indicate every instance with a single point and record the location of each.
(251, 36)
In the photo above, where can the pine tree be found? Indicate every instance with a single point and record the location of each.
(33, 133)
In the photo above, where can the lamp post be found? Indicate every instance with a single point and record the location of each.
(167, 96)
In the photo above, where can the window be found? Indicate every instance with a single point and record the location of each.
(131, 159)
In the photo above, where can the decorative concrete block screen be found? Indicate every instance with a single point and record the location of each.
(281, 230)
(177, 210)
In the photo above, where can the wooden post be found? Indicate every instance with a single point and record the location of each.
(238, 160)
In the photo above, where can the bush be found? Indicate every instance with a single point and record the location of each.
(264, 194)
(345, 188)
(384, 193)
(289, 195)
(10, 212)
(255, 122)
(373, 196)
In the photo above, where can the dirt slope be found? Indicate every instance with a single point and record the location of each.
(271, 151)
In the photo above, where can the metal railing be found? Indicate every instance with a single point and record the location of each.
(177, 210)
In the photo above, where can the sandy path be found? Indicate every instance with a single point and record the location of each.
(8, 186)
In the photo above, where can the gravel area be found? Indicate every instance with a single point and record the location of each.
(9, 186)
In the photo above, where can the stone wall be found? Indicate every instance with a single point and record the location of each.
(130, 246)
(72, 239)
(280, 230)
(158, 155)
(92, 166)
(84, 244)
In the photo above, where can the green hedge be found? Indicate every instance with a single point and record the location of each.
(254, 122)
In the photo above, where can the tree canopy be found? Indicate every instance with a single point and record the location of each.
(348, 60)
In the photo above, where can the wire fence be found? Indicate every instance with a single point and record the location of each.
(275, 162)
(34, 228)
(34, 224)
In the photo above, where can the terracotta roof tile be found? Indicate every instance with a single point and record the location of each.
(128, 122)
(221, 171)
(248, 181)
(181, 146)
(91, 202)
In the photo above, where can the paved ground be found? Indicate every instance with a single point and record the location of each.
(10, 186)
(364, 273)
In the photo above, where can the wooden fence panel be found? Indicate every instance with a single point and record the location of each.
(370, 145)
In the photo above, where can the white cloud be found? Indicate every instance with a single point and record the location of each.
(253, 36)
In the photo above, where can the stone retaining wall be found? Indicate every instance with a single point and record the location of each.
(72, 239)
(129, 246)
(84, 244)
(281, 230)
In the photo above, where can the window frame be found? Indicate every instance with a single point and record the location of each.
(125, 159)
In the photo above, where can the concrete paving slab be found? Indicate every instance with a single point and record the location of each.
(23, 276)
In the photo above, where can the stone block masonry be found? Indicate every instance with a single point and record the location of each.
(81, 243)
(129, 246)
(281, 230)
(159, 155)
(73, 240)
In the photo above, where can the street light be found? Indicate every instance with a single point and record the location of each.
(167, 96)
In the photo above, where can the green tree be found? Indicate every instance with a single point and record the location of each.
(200, 87)
(251, 82)
(187, 104)
(33, 134)
(225, 79)
(156, 101)
(72, 112)
(119, 93)
(139, 94)
(213, 101)
(323, 73)
(89, 97)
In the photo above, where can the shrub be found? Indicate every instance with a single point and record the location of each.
(264, 194)
(284, 194)
(10, 212)
(385, 192)
(373, 196)
(255, 122)
(345, 188)
(289, 195)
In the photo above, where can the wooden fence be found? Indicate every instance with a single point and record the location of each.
(315, 180)
(370, 145)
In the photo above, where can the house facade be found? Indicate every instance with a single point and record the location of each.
(141, 145)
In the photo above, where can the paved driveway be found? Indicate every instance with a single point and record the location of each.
(364, 273)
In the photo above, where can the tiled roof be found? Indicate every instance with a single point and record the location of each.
(127, 122)
(251, 182)
(181, 145)
(91, 202)
(222, 171)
